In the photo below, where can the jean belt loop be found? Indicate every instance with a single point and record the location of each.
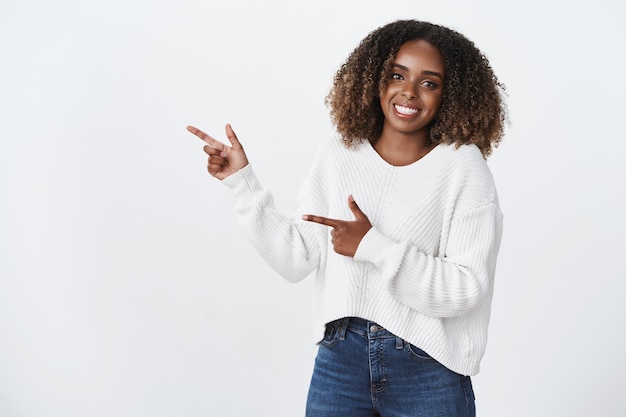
(343, 327)
(399, 343)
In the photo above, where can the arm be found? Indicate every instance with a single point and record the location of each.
(448, 285)
(289, 247)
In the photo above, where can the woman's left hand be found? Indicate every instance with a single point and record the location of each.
(346, 235)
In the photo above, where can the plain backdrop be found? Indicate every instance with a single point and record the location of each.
(127, 288)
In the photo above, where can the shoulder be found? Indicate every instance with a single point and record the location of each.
(338, 145)
(329, 147)
(464, 160)
(469, 175)
(330, 154)
(464, 154)
(333, 151)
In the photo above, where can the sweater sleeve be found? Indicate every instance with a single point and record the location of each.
(448, 285)
(288, 245)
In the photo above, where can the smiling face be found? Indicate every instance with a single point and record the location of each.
(413, 96)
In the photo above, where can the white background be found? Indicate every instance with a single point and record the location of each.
(127, 288)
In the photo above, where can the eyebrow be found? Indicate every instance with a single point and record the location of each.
(425, 72)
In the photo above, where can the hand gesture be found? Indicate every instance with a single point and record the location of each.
(346, 235)
(223, 160)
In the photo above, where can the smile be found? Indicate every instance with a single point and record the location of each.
(405, 111)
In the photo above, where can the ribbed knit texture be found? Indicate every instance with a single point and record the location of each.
(424, 271)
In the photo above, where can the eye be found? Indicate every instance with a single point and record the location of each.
(396, 76)
(430, 85)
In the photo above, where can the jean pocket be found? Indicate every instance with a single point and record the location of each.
(330, 335)
(418, 354)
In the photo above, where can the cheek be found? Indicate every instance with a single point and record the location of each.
(435, 103)
(384, 95)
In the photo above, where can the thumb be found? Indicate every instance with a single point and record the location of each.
(358, 214)
(230, 134)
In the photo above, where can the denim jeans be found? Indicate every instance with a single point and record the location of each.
(362, 370)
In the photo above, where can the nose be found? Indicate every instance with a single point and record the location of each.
(409, 91)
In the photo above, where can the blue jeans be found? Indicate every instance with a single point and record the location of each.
(362, 370)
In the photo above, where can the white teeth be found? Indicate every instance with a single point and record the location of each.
(408, 111)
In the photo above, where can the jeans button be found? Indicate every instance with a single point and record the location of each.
(373, 328)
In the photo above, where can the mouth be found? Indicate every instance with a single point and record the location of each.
(405, 110)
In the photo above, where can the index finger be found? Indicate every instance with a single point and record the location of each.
(321, 220)
(206, 138)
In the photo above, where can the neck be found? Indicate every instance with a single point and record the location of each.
(403, 149)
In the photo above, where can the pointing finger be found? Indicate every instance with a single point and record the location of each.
(206, 138)
(321, 220)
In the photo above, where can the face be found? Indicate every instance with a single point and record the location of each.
(413, 96)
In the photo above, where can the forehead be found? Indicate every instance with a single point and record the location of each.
(419, 54)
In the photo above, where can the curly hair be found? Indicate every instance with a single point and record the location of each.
(472, 107)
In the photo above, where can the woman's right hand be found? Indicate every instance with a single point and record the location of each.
(223, 160)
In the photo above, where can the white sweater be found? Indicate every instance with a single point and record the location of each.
(424, 271)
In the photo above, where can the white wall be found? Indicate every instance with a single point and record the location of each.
(126, 287)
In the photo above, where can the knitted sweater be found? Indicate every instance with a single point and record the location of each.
(424, 271)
